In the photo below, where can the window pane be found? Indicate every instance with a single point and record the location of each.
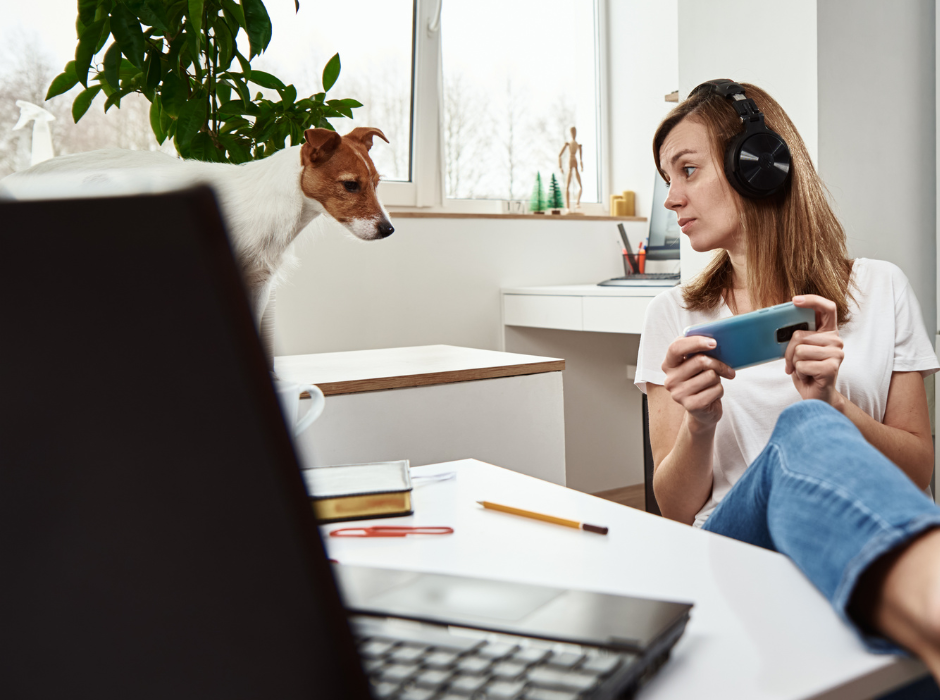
(517, 76)
(34, 47)
(374, 39)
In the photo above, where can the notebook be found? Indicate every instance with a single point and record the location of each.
(156, 533)
(359, 491)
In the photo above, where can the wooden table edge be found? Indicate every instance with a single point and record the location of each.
(357, 386)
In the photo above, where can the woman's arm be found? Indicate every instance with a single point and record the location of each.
(683, 416)
(904, 437)
(813, 359)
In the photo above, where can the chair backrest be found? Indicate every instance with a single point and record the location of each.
(651, 505)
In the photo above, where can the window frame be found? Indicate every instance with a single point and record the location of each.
(425, 190)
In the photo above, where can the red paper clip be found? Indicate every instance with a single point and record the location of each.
(390, 531)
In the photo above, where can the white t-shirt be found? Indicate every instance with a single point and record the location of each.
(885, 334)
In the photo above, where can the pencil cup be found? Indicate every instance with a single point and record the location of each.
(630, 264)
(289, 395)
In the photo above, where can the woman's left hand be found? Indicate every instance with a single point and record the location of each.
(813, 358)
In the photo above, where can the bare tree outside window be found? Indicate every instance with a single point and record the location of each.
(531, 75)
(465, 114)
(29, 67)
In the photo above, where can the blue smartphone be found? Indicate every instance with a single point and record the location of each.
(757, 337)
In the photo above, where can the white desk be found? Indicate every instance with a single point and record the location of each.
(434, 403)
(758, 629)
(579, 307)
(603, 419)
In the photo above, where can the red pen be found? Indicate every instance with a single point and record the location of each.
(641, 258)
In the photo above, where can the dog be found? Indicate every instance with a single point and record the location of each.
(265, 203)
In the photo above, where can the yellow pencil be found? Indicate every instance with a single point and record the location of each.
(599, 529)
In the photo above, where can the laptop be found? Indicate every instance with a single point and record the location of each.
(156, 535)
(663, 239)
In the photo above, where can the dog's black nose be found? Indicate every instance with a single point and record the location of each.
(385, 229)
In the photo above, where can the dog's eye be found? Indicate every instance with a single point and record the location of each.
(351, 186)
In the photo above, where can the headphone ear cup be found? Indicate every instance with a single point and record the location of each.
(757, 163)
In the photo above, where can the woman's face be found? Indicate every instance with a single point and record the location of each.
(699, 193)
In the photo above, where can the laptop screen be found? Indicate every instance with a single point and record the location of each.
(155, 534)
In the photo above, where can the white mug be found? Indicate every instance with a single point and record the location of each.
(289, 395)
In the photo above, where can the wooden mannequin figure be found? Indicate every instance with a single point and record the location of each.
(574, 152)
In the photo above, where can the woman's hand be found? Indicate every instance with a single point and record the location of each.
(694, 380)
(813, 358)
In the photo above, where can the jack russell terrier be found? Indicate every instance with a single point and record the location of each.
(265, 203)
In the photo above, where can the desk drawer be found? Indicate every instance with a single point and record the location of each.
(542, 311)
(615, 314)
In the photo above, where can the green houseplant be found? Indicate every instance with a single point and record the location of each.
(183, 57)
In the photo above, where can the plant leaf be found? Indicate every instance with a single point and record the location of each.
(155, 124)
(63, 82)
(237, 107)
(173, 94)
(150, 12)
(202, 148)
(154, 70)
(288, 95)
(114, 99)
(257, 25)
(112, 65)
(86, 49)
(191, 119)
(86, 11)
(331, 73)
(234, 12)
(348, 102)
(265, 80)
(83, 102)
(105, 35)
(127, 32)
(195, 13)
(341, 108)
(225, 42)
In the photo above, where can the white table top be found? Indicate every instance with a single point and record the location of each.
(758, 629)
(586, 290)
(395, 368)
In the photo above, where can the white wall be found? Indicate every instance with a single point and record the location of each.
(644, 68)
(877, 133)
(434, 281)
(770, 44)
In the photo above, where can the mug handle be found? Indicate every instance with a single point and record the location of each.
(316, 408)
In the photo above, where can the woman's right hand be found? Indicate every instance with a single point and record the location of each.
(694, 380)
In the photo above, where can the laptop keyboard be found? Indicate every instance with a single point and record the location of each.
(426, 662)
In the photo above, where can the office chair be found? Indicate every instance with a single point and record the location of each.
(651, 505)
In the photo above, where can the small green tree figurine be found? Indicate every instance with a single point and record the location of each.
(555, 200)
(538, 203)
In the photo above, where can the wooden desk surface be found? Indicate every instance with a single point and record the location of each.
(396, 368)
(759, 629)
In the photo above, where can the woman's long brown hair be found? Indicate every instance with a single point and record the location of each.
(794, 242)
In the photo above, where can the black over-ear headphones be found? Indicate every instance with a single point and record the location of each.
(757, 161)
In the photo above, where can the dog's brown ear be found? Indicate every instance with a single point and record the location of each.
(321, 144)
(364, 134)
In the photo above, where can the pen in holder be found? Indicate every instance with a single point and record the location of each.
(634, 263)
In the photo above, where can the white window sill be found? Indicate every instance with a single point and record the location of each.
(412, 214)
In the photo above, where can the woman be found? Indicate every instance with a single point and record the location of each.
(796, 455)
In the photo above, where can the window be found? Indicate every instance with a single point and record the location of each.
(376, 60)
(517, 76)
(475, 96)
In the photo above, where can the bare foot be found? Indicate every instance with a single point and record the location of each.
(899, 597)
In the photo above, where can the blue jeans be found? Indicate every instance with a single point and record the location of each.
(822, 495)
